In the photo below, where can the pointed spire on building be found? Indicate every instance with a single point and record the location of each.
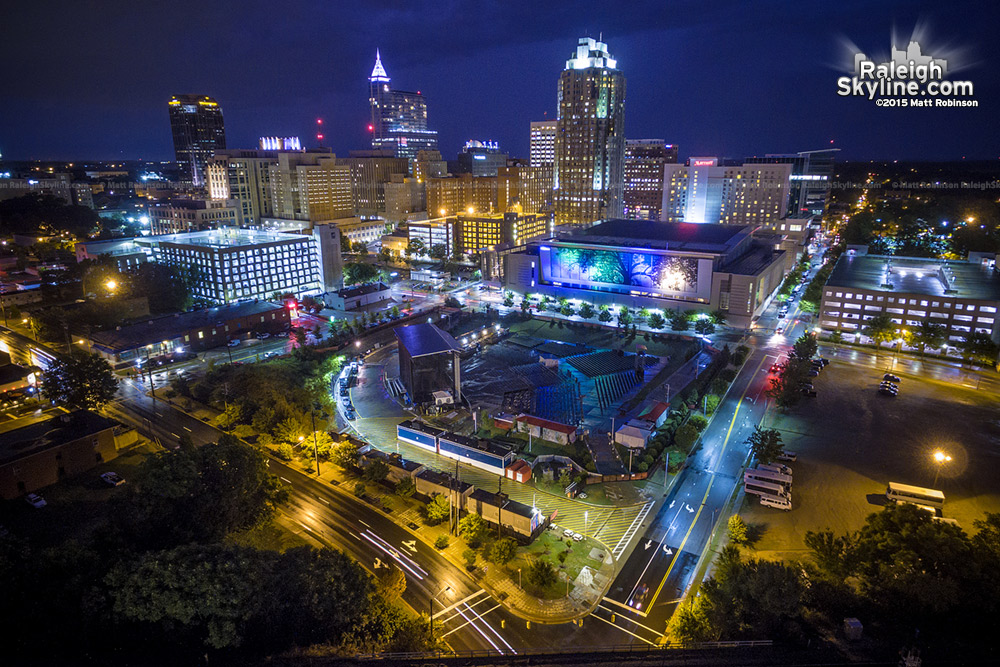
(378, 72)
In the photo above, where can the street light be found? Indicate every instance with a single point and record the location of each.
(111, 285)
(433, 598)
(940, 458)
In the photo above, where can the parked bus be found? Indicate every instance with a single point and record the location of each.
(915, 495)
(775, 467)
(768, 476)
(760, 488)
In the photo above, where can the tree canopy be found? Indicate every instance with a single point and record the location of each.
(82, 381)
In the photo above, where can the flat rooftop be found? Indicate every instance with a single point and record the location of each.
(684, 236)
(167, 327)
(20, 442)
(916, 275)
(227, 237)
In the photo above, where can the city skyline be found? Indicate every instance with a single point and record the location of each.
(682, 87)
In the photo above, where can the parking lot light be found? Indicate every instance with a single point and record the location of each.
(940, 458)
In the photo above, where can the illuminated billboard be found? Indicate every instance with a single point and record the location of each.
(653, 273)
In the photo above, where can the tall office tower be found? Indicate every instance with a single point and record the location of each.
(198, 130)
(543, 143)
(398, 117)
(590, 137)
(703, 191)
(644, 160)
(480, 158)
(370, 171)
(809, 185)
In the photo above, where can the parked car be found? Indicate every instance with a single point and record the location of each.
(282, 334)
(112, 479)
(813, 373)
(263, 335)
(234, 342)
(890, 377)
(885, 391)
(35, 500)
(787, 456)
(810, 393)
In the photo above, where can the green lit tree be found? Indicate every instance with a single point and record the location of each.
(82, 381)
(766, 444)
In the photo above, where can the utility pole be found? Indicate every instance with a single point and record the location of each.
(149, 369)
(312, 418)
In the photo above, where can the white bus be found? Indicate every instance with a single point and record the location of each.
(915, 495)
(775, 467)
(761, 488)
(768, 476)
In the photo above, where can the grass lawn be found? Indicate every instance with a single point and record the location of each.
(272, 536)
(547, 546)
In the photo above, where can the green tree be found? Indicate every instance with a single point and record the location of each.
(360, 489)
(394, 312)
(345, 454)
(837, 337)
(736, 527)
(473, 529)
(405, 488)
(230, 417)
(979, 348)
(285, 452)
(289, 430)
(438, 510)
(806, 346)
(415, 247)
(624, 317)
(541, 574)
(704, 327)
(928, 335)
(880, 329)
(699, 422)
(503, 550)
(718, 317)
(686, 436)
(679, 320)
(690, 623)
(833, 554)
(439, 251)
(469, 555)
(376, 471)
(567, 310)
(390, 583)
(711, 404)
(442, 542)
(587, 311)
(82, 381)
(656, 321)
(604, 315)
(765, 443)
(508, 299)
(359, 272)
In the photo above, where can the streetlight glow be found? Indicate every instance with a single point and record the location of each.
(111, 285)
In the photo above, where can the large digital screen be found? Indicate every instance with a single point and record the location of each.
(645, 271)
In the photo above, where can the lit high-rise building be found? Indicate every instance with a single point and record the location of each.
(644, 160)
(398, 117)
(543, 143)
(590, 137)
(311, 186)
(812, 176)
(705, 192)
(198, 131)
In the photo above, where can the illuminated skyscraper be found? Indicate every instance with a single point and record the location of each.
(590, 137)
(198, 130)
(644, 160)
(543, 143)
(398, 117)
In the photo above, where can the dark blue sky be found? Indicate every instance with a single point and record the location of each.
(91, 79)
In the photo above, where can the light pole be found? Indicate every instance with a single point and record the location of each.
(431, 615)
(940, 458)
(312, 418)
(519, 577)
(585, 513)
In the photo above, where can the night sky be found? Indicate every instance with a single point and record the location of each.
(90, 80)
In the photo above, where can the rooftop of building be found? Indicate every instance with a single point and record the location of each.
(753, 261)
(26, 440)
(916, 275)
(501, 500)
(488, 446)
(443, 479)
(360, 290)
(546, 424)
(418, 425)
(167, 327)
(225, 237)
(682, 236)
(424, 339)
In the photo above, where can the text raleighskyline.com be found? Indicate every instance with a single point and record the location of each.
(908, 73)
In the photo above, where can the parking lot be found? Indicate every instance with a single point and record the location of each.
(851, 442)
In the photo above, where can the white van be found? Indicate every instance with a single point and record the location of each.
(776, 502)
(775, 467)
(787, 456)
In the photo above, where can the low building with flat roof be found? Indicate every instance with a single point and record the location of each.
(428, 362)
(546, 429)
(961, 296)
(509, 514)
(655, 265)
(358, 296)
(188, 332)
(43, 453)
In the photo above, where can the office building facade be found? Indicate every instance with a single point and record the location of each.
(476, 233)
(481, 158)
(398, 117)
(311, 186)
(589, 156)
(702, 191)
(234, 264)
(198, 131)
(370, 171)
(191, 215)
(810, 180)
(543, 143)
(644, 162)
(244, 176)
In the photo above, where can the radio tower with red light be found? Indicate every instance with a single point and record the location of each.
(319, 131)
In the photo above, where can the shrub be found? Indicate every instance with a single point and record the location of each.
(359, 489)
(441, 542)
(711, 404)
(699, 422)
(470, 558)
(502, 551)
(737, 529)
(642, 467)
(562, 555)
(285, 452)
(686, 436)
(727, 374)
(542, 574)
